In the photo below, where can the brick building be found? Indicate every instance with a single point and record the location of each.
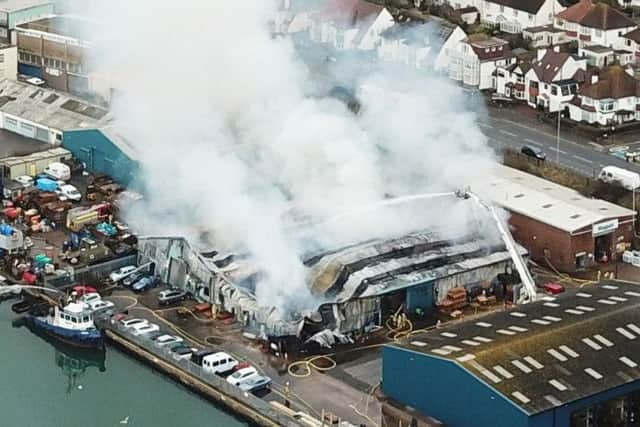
(557, 223)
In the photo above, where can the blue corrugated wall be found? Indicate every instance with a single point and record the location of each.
(441, 389)
(100, 154)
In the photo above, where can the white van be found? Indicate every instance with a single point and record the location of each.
(58, 171)
(618, 176)
(218, 363)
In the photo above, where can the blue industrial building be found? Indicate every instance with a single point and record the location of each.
(103, 151)
(571, 361)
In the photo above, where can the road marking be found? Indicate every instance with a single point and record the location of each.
(596, 146)
(559, 151)
(582, 159)
(569, 141)
(485, 125)
(532, 142)
(508, 133)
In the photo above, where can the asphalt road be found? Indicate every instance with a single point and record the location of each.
(575, 152)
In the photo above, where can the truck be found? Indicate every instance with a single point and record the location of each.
(32, 164)
(79, 217)
(619, 176)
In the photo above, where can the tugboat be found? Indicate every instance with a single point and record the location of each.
(73, 324)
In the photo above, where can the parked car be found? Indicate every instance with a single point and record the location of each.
(90, 297)
(122, 272)
(171, 296)
(182, 351)
(155, 335)
(242, 376)
(100, 305)
(146, 283)
(255, 383)
(552, 288)
(25, 180)
(131, 322)
(58, 171)
(133, 278)
(218, 363)
(534, 152)
(68, 192)
(167, 339)
(199, 355)
(142, 329)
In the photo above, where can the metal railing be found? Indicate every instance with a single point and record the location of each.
(220, 384)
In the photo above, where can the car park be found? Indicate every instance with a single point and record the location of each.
(167, 340)
(146, 283)
(242, 376)
(218, 363)
(142, 329)
(533, 152)
(171, 296)
(155, 335)
(255, 383)
(122, 272)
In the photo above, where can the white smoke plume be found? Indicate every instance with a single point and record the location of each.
(230, 139)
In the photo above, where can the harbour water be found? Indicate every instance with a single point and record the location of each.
(44, 384)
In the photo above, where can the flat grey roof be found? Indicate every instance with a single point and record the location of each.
(49, 108)
(548, 353)
(62, 25)
(9, 6)
(545, 201)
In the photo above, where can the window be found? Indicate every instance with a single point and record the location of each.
(598, 33)
(501, 9)
(1, 58)
(530, 17)
(533, 84)
(607, 106)
(515, 12)
(565, 90)
(628, 42)
(554, 90)
(559, 22)
(546, 86)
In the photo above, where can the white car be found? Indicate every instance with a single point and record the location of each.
(122, 272)
(166, 340)
(68, 192)
(141, 328)
(130, 323)
(90, 298)
(25, 180)
(101, 305)
(242, 375)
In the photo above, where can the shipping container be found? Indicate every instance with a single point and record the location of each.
(32, 164)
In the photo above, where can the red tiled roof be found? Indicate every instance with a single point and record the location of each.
(549, 65)
(633, 35)
(599, 15)
(352, 11)
(613, 82)
(529, 6)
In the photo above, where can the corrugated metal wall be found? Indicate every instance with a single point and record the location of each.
(100, 154)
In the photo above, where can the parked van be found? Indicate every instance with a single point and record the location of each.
(58, 171)
(618, 176)
(218, 363)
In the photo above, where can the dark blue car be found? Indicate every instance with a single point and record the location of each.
(146, 283)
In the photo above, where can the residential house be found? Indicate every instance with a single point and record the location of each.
(595, 24)
(600, 56)
(350, 24)
(512, 16)
(544, 36)
(473, 61)
(608, 98)
(550, 83)
(510, 80)
(420, 45)
(632, 44)
(294, 16)
(469, 14)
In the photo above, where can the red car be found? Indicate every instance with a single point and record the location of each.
(553, 288)
(84, 289)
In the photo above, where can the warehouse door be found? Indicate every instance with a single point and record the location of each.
(27, 130)
(420, 298)
(11, 124)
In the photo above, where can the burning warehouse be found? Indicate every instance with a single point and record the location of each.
(357, 287)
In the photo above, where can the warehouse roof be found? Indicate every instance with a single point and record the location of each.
(116, 136)
(545, 201)
(48, 107)
(15, 5)
(551, 352)
(61, 25)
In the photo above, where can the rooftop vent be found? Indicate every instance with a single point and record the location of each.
(548, 205)
(517, 196)
(576, 216)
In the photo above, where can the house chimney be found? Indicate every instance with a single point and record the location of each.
(594, 79)
(541, 53)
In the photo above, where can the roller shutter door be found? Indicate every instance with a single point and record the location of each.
(11, 124)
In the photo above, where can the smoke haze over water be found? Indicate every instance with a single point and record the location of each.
(230, 139)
